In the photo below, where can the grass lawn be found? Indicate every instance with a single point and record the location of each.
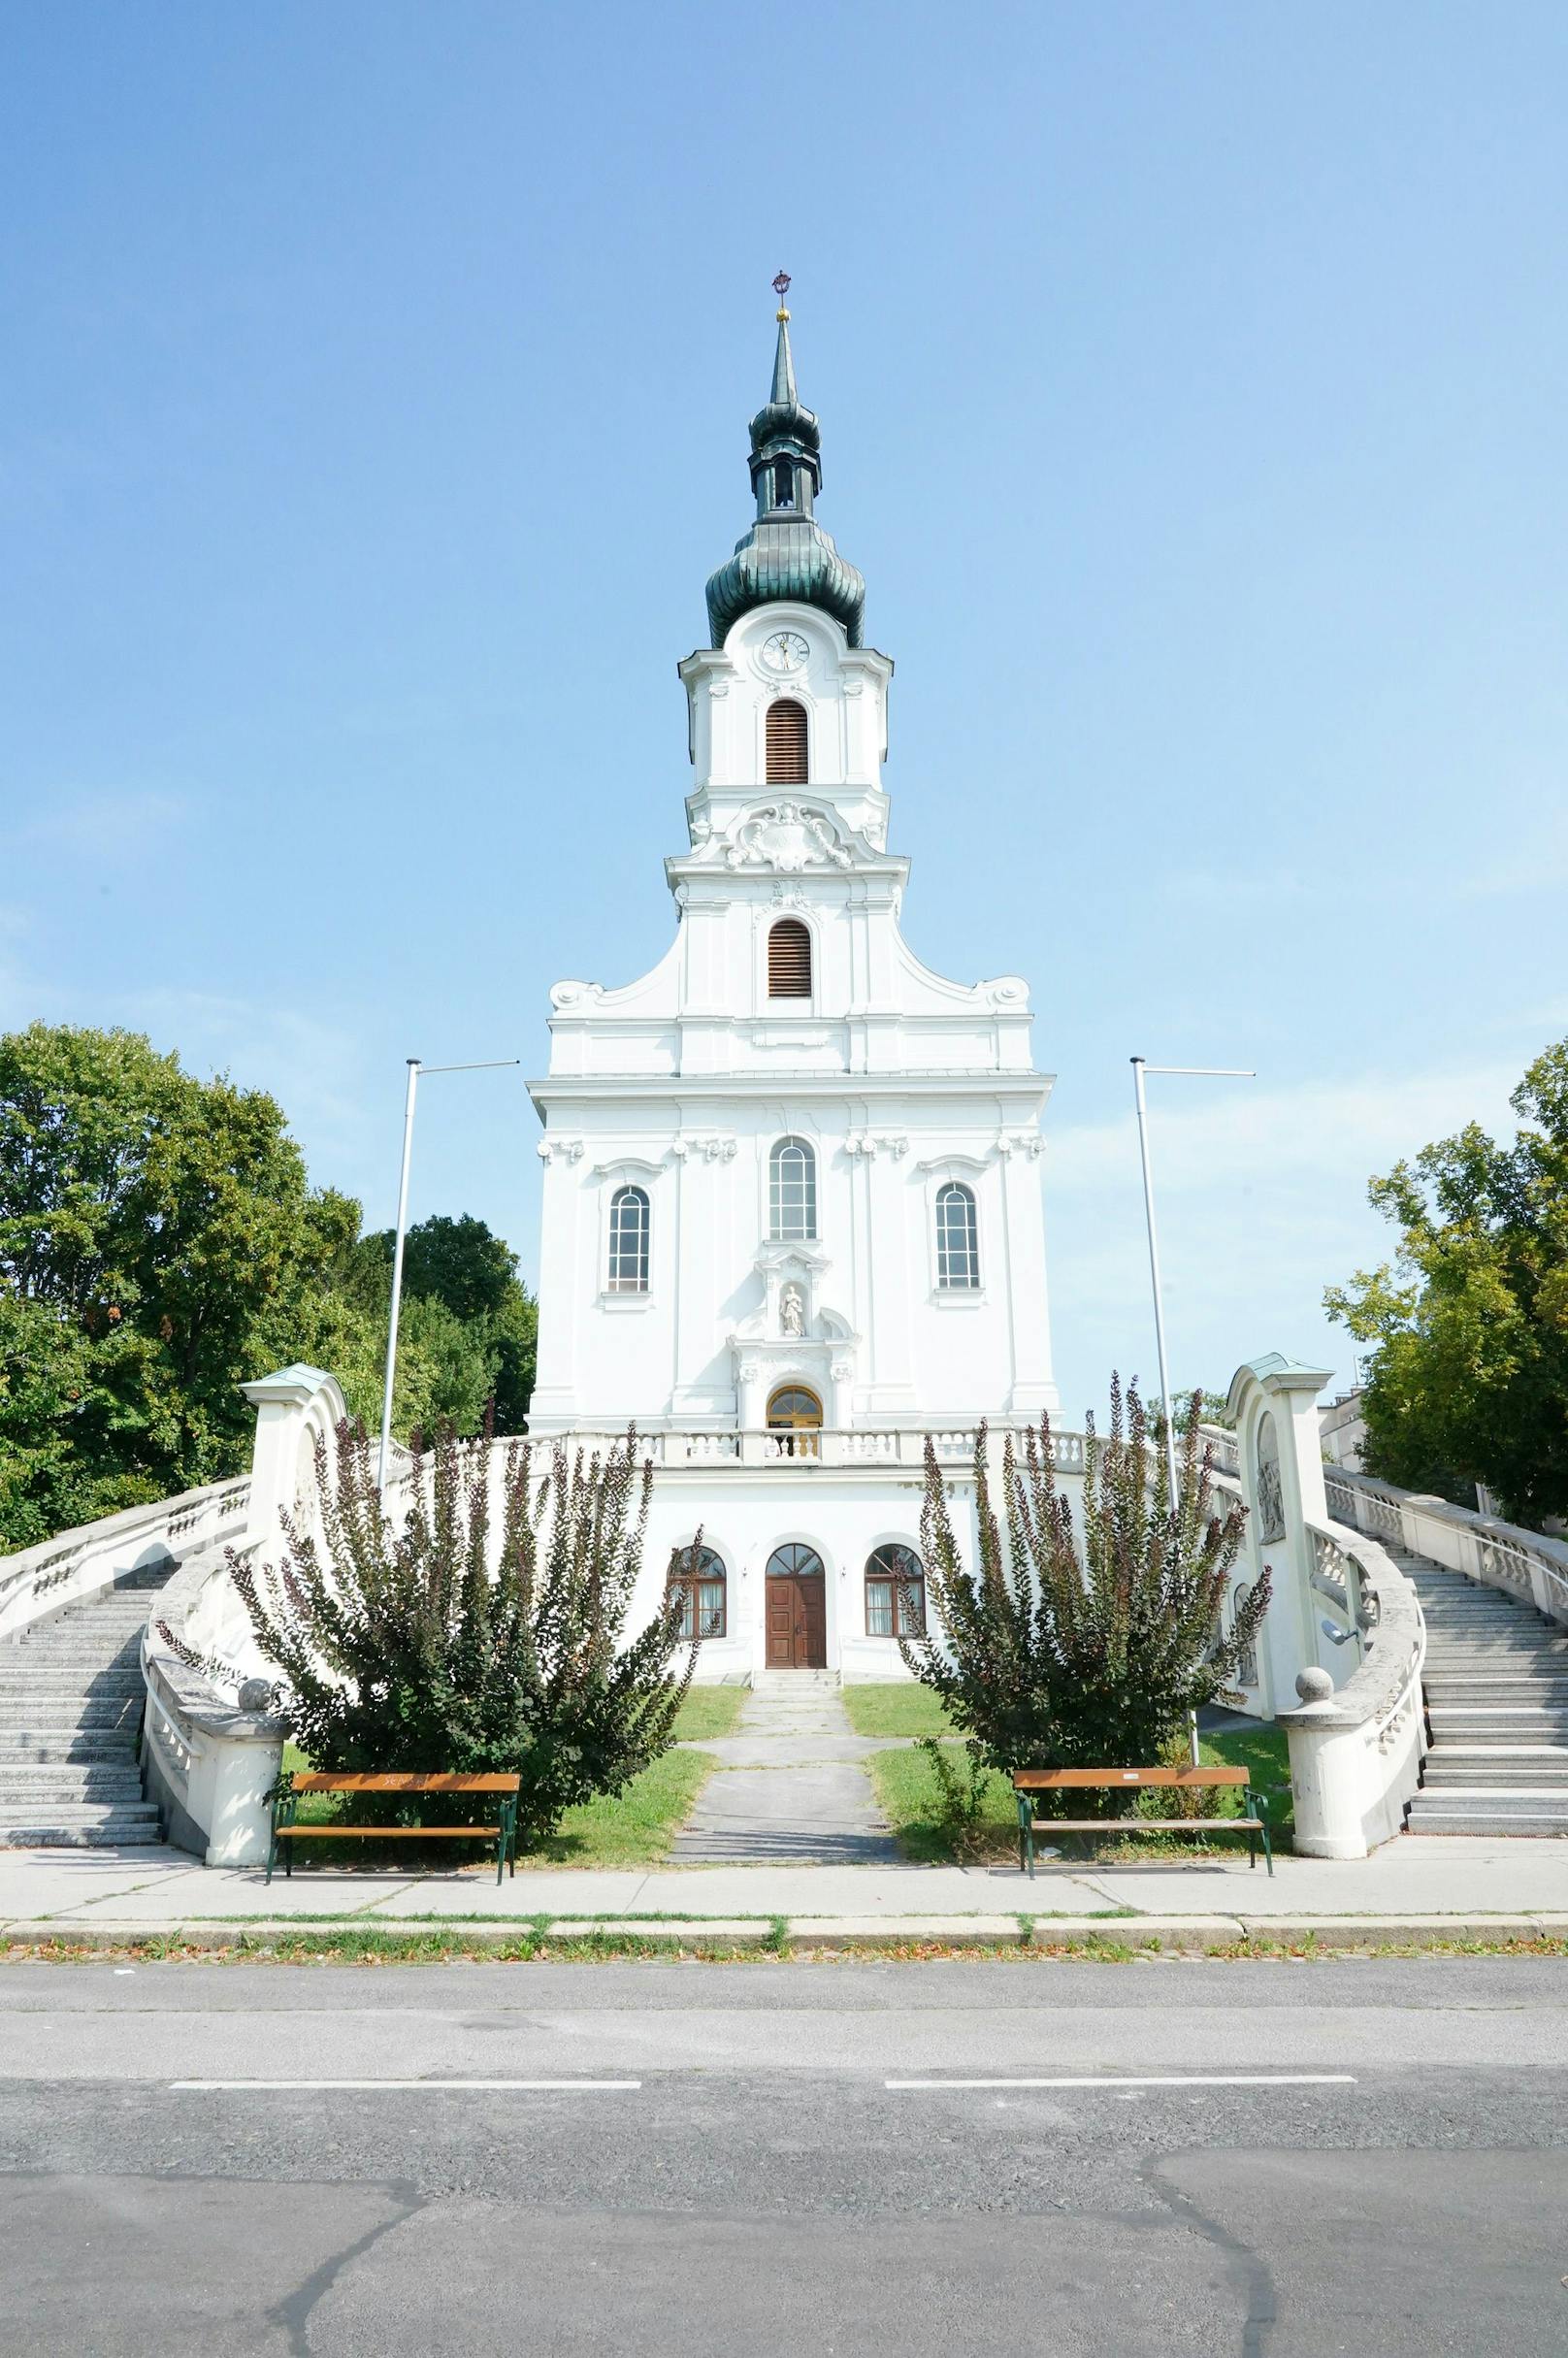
(634, 1830)
(709, 1711)
(895, 1707)
(907, 1790)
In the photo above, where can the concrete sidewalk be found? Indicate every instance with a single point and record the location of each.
(1459, 1880)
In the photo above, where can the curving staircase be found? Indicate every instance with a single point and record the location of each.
(1496, 1688)
(71, 1696)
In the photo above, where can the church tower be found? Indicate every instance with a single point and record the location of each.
(792, 1196)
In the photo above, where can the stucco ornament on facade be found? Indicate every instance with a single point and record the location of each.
(789, 835)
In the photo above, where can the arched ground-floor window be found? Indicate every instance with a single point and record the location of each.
(895, 1593)
(701, 1587)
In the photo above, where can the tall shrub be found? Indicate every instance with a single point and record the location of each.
(1062, 1651)
(486, 1634)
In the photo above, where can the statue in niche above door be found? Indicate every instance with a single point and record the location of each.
(792, 1312)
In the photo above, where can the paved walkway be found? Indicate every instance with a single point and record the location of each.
(1461, 1879)
(792, 1787)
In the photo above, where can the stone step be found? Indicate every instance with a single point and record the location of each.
(112, 1648)
(1521, 1747)
(1543, 1796)
(1481, 1818)
(1549, 1673)
(45, 1679)
(38, 1717)
(1446, 1776)
(1550, 1692)
(106, 1830)
(102, 1744)
(67, 1813)
(1494, 1664)
(88, 1781)
(1468, 1624)
(1446, 1711)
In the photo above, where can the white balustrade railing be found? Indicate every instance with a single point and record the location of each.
(40, 1581)
(1222, 1447)
(1356, 1751)
(1525, 1565)
(1345, 1573)
(834, 1446)
(208, 1760)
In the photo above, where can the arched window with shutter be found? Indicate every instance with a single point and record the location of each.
(789, 959)
(786, 743)
(792, 1174)
(957, 1243)
(627, 1271)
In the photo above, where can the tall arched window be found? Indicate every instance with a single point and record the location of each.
(792, 1191)
(957, 1241)
(696, 1583)
(895, 1593)
(786, 743)
(789, 959)
(783, 484)
(628, 1241)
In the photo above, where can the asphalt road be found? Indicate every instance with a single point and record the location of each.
(727, 2171)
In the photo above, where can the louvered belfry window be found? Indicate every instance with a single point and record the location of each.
(789, 959)
(786, 743)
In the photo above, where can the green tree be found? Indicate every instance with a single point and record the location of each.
(1060, 1654)
(1468, 1374)
(158, 1241)
(463, 1304)
(453, 1644)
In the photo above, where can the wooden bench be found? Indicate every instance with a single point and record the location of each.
(1027, 1781)
(285, 1803)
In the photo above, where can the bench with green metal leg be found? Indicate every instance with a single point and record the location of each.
(286, 1830)
(1027, 1782)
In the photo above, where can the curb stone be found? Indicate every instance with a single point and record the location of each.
(665, 1928)
(953, 1932)
(1173, 1936)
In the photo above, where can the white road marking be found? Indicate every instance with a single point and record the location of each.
(1150, 2080)
(569, 2088)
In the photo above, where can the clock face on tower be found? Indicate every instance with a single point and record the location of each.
(786, 651)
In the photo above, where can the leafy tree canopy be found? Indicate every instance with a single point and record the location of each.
(1468, 1375)
(160, 1244)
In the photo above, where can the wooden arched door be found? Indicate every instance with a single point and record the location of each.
(797, 1609)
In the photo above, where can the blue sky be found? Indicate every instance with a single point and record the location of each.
(1192, 385)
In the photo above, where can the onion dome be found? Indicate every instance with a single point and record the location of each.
(786, 554)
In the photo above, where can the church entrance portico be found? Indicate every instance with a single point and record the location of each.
(795, 1608)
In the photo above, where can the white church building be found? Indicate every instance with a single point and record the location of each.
(792, 1204)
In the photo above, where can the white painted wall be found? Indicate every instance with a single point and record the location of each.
(682, 1081)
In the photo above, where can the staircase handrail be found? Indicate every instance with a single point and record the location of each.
(208, 1760)
(1355, 1750)
(38, 1580)
(1224, 1446)
(1523, 1564)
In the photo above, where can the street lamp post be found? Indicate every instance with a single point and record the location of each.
(1208, 1072)
(415, 1068)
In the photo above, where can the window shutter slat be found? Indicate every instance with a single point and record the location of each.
(786, 743)
(789, 959)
